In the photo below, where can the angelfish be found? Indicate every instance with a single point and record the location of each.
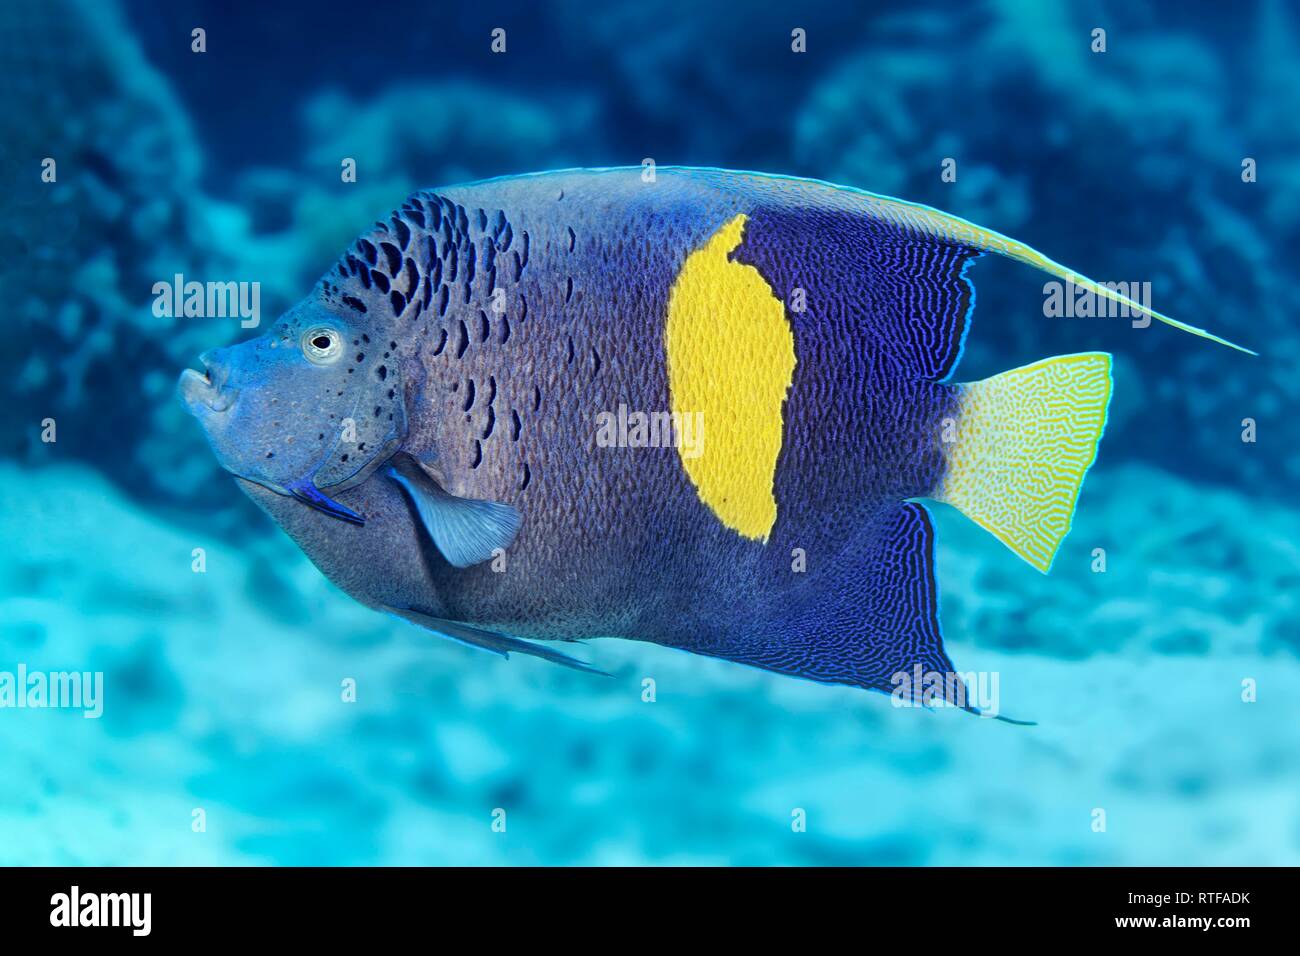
(425, 423)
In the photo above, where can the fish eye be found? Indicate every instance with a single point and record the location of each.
(322, 345)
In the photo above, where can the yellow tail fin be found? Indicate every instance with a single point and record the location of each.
(1023, 442)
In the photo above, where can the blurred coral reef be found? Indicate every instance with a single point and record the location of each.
(224, 686)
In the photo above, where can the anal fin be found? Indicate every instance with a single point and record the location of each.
(862, 617)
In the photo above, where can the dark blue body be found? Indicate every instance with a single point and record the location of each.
(616, 542)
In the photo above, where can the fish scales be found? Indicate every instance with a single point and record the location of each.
(482, 339)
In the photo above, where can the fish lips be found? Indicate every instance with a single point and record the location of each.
(206, 397)
(208, 402)
(202, 396)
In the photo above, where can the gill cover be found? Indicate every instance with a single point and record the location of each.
(309, 409)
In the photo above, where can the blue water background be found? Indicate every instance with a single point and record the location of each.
(1165, 687)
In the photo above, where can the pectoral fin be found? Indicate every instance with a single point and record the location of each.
(491, 641)
(467, 532)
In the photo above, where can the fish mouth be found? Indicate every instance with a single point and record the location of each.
(199, 393)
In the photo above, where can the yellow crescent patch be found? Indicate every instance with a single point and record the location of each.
(731, 360)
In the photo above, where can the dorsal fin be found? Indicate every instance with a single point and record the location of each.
(889, 271)
(927, 221)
